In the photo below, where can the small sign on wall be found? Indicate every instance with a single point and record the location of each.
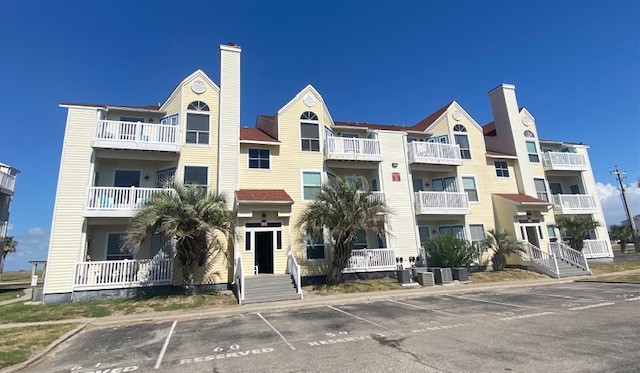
(395, 176)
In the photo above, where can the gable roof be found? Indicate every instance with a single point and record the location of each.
(191, 76)
(426, 122)
(263, 196)
(255, 134)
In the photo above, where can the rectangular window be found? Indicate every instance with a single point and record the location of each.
(197, 128)
(463, 141)
(114, 245)
(247, 241)
(315, 247)
(469, 185)
(447, 184)
(477, 236)
(361, 240)
(259, 158)
(425, 234)
(533, 152)
(311, 184)
(126, 178)
(541, 189)
(418, 186)
(278, 240)
(556, 188)
(502, 169)
(310, 137)
(456, 230)
(196, 175)
(551, 232)
(575, 189)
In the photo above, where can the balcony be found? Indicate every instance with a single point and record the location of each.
(447, 203)
(562, 161)
(136, 136)
(434, 153)
(353, 149)
(118, 202)
(597, 249)
(376, 197)
(118, 274)
(574, 204)
(7, 183)
(366, 260)
(3, 228)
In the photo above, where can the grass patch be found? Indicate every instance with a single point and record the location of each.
(601, 268)
(10, 294)
(18, 312)
(360, 286)
(633, 278)
(20, 276)
(19, 344)
(511, 274)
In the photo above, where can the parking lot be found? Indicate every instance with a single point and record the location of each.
(563, 327)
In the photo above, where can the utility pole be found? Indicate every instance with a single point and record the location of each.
(625, 203)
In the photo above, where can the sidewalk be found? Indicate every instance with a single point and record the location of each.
(25, 298)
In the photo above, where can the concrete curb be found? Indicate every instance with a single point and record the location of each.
(42, 353)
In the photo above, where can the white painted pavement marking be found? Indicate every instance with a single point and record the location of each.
(591, 306)
(164, 347)
(365, 320)
(600, 289)
(527, 316)
(630, 299)
(565, 297)
(435, 311)
(492, 302)
(276, 330)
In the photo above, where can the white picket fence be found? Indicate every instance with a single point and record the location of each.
(110, 274)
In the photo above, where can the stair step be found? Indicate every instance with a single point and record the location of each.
(264, 299)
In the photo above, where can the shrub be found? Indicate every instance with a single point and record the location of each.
(448, 251)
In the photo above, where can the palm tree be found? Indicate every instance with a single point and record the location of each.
(623, 233)
(503, 245)
(577, 228)
(345, 210)
(200, 223)
(9, 246)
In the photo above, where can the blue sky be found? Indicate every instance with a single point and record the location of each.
(575, 64)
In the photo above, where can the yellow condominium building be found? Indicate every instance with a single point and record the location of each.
(445, 174)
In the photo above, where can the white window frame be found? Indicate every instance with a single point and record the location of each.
(464, 231)
(475, 182)
(466, 134)
(495, 168)
(324, 245)
(186, 129)
(535, 144)
(310, 121)
(546, 186)
(302, 172)
(196, 165)
(252, 246)
(482, 248)
(249, 160)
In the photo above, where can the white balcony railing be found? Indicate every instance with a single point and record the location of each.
(442, 203)
(355, 149)
(7, 181)
(597, 249)
(136, 135)
(563, 161)
(376, 196)
(574, 203)
(3, 228)
(434, 153)
(364, 260)
(111, 274)
(115, 201)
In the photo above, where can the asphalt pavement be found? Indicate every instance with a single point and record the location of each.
(569, 327)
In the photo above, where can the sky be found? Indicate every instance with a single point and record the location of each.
(575, 64)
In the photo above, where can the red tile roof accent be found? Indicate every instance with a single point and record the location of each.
(491, 152)
(255, 134)
(146, 107)
(263, 195)
(426, 122)
(487, 128)
(521, 198)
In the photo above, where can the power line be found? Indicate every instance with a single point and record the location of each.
(625, 204)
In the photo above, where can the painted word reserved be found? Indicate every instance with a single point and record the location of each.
(226, 356)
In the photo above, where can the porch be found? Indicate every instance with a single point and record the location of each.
(122, 274)
(564, 161)
(352, 149)
(446, 203)
(112, 134)
(434, 153)
(595, 249)
(118, 201)
(574, 203)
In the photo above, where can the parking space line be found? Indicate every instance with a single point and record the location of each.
(601, 289)
(435, 311)
(565, 297)
(276, 330)
(492, 302)
(166, 344)
(365, 320)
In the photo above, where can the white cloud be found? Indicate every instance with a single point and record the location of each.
(36, 231)
(611, 201)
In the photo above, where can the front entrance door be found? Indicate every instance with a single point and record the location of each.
(264, 252)
(531, 235)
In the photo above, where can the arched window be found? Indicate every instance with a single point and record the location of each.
(529, 134)
(309, 115)
(462, 139)
(309, 132)
(459, 128)
(198, 106)
(197, 124)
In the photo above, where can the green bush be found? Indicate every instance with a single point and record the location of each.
(448, 251)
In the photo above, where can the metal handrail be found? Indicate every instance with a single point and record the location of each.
(570, 255)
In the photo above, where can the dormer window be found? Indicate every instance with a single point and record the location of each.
(461, 138)
(528, 134)
(309, 132)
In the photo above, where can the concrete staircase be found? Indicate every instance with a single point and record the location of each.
(567, 269)
(269, 288)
